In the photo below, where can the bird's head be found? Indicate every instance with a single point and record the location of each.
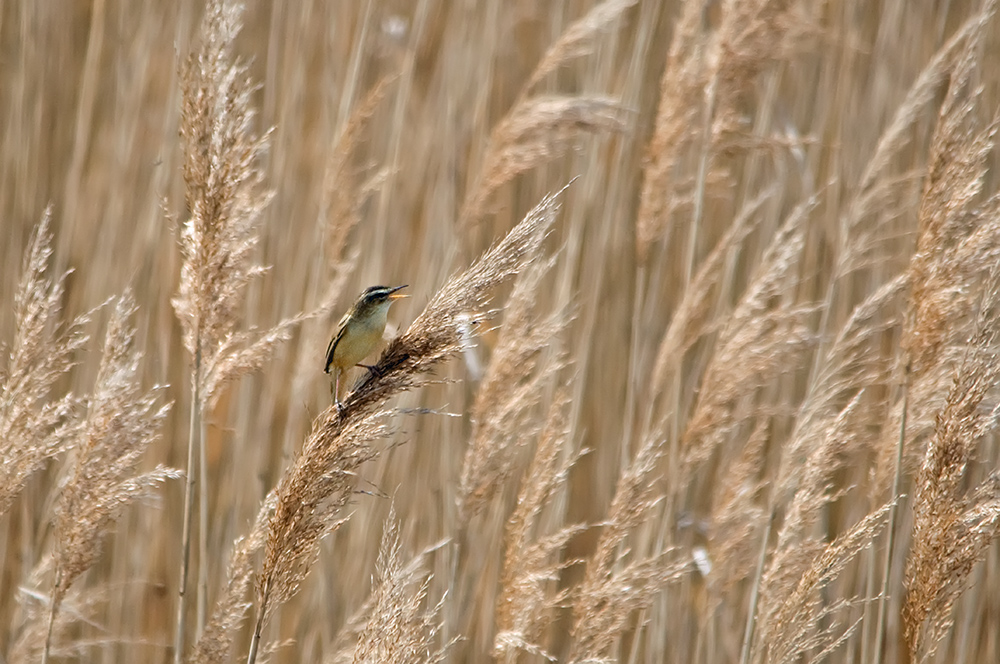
(379, 297)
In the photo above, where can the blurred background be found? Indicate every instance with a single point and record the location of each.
(789, 111)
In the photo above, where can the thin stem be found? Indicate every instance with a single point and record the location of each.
(869, 591)
(188, 500)
(202, 597)
(261, 610)
(455, 606)
(887, 561)
(53, 607)
(755, 594)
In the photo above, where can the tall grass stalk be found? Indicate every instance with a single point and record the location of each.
(778, 205)
(225, 197)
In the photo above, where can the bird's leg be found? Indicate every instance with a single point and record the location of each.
(336, 392)
(372, 369)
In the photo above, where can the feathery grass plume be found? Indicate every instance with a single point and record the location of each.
(223, 186)
(703, 82)
(399, 628)
(343, 195)
(827, 433)
(225, 197)
(956, 243)
(676, 114)
(79, 605)
(798, 625)
(531, 563)
(614, 584)
(578, 39)
(898, 133)
(797, 547)
(737, 517)
(33, 429)
(953, 526)
(536, 131)
(539, 129)
(752, 36)
(688, 322)
(350, 633)
(764, 335)
(502, 413)
(216, 641)
(312, 492)
(957, 238)
(309, 498)
(875, 188)
(851, 364)
(120, 425)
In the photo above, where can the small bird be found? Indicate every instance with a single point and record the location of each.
(358, 332)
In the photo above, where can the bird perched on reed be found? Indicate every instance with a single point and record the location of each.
(358, 332)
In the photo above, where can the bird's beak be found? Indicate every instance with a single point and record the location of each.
(397, 296)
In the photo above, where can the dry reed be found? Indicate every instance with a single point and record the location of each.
(532, 562)
(738, 380)
(539, 130)
(399, 629)
(502, 413)
(762, 336)
(35, 426)
(120, 425)
(953, 526)
(616, 584)
(225, 199)
(320, 482)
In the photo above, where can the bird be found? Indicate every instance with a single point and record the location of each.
(358, 332)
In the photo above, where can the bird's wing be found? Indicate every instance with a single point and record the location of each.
(332, 348)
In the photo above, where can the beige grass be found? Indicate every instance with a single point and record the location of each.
(34, 425)
(120, 425)
(676, 425)
(399, 627)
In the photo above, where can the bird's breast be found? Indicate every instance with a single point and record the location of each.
(359, 341)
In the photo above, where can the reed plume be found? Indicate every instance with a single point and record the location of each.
(798, 625)
(80, 604)
(402, 577)
(677, 112)
(956, 240)
(738, 516)
(532, 564)
(225, 198)
(953, 526)
(762, 336)
(689, 321)
(399, 628)
(120, 425)
(502, 413)
(536, 131)
(707, 77)
(578, 40)
(539, 129)
(35, 425)
(617, 581)
(320, 482)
